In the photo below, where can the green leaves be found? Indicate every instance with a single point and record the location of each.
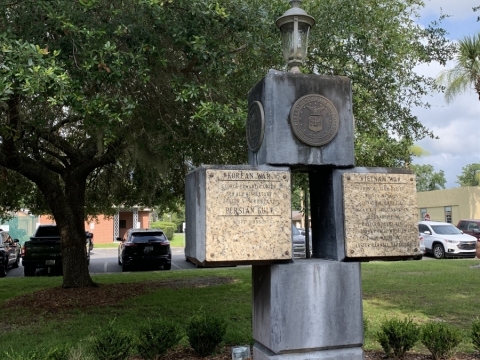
(470, 175)
(29, 69)
(427, 179)
(378, 49)
(466, 72)
(160, 86)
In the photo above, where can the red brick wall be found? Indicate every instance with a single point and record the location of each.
(46, 220)
(143, 218)
(103, 229)
(128, 217)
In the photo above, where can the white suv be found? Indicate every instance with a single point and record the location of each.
(445, 240)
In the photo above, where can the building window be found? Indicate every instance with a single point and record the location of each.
(123, 224)
(423, 212)
(448, 214)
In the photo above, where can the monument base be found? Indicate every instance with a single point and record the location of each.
(310, 306)
(262, 353)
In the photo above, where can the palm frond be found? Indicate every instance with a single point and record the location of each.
(466, 72)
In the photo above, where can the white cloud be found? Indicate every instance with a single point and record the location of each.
(457, 125)
(462, 19)
(460, 9)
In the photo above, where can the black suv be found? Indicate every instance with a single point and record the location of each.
(146, 247)
(9, 253)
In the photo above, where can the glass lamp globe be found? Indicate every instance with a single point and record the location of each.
(295, 26)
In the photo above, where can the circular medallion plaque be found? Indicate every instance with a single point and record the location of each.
(314, 120)
(255, 126)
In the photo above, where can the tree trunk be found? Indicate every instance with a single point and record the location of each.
(74, 257)
(477, 86)
(68, 210)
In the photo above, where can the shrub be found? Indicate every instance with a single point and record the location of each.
(60, 352)
(440, 339)
(156, 337)
(205, 333)
(397, 337)
(112, 344)
(475, 334)
(24, 355)
(167, 227)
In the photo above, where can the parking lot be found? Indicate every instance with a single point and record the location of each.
(105, 260)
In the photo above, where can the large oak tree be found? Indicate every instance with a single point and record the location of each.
(427, 178)
(108, 102)
(470, 175)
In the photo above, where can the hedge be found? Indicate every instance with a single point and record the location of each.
(167, 227)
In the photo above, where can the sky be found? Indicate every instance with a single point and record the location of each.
(457, 125)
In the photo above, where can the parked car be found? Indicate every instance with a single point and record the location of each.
(148, 247)
(304, 233)
(298, 243)
(445, 240)
(471, 227)
(43, 251)
(9, 253)
(421, 247)
(90, 239)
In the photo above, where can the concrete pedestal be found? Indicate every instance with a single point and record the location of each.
(310, 309)
(262, 353)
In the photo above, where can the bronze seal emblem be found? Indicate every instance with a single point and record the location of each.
(255, 126)
(314, 120)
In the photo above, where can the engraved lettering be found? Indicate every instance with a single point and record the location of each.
(380, 215)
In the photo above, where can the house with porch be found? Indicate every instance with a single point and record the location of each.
(107, 229)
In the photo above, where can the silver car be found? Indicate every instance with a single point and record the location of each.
(298, 244)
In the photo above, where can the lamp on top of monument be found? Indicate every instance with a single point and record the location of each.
(295, 26)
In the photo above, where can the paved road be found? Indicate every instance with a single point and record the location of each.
(106, 261)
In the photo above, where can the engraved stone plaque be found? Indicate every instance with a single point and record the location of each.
(248, 215)
(380, 215)
(238, 214)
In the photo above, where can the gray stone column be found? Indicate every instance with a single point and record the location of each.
(310, 309)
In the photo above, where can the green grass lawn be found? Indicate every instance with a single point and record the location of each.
(441, 290)
(438, 290)
(178, 240)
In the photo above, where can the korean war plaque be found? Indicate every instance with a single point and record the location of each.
(242, 215)
(380, 215)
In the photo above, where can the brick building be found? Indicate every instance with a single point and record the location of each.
(106, 230)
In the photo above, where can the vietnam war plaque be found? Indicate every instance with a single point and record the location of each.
(380, 215)
(248, 215)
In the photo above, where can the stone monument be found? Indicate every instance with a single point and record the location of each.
(239, 214)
